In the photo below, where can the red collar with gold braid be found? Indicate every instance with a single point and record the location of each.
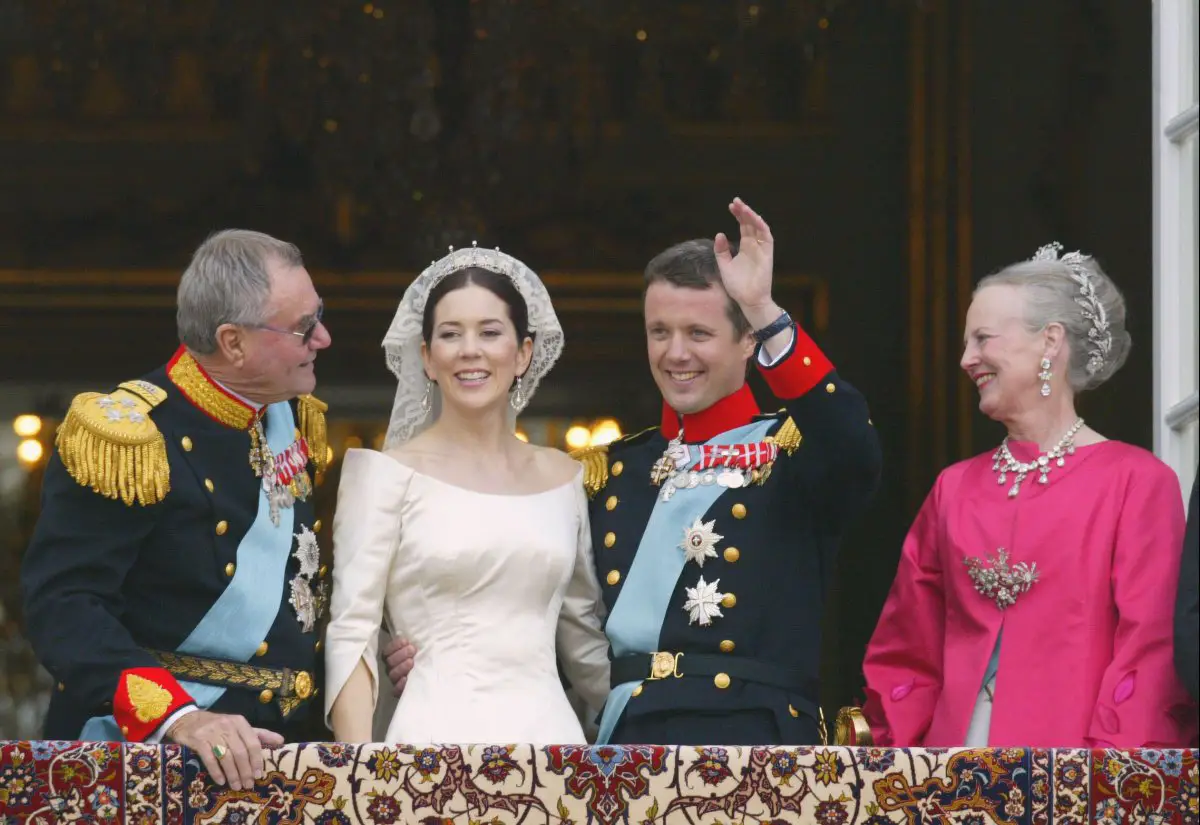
(207, 395)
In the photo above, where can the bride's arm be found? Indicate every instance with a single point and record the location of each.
(582, 645)
(351, 713)
(366, 532)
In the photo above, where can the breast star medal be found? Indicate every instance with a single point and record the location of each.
(699, 541)
(703, 602)
(307, 595)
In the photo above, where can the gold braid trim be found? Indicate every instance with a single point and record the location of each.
(595, 467)
(312, 426)
(110, 444)
(291, 688)
(217, 404)
(788, 436)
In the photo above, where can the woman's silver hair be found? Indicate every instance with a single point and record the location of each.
(227, 283)
(1075, 292)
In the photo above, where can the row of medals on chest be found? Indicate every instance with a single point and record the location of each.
(675, 468)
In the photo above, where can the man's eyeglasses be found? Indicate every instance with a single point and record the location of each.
(305, 335)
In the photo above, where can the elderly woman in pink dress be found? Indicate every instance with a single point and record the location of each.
(1033, 602)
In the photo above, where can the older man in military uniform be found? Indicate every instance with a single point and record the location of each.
(173, 584)
(715, 533)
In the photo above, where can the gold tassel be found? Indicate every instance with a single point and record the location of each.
(312, 426)
(788, 436)
(119, 459)
(595, 467)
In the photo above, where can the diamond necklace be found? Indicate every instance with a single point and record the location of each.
(1004, 463)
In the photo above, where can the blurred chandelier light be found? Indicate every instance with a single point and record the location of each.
(578, 437)
(605, 431)
(29, 451)
(27, 425)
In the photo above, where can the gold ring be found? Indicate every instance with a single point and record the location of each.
(220, 751)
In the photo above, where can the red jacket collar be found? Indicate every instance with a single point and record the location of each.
(734, 410)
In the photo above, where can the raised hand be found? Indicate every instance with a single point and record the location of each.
(231, 750)
(746, 276)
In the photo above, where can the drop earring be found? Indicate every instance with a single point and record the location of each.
(1045, 375)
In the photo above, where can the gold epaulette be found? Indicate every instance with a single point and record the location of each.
(108, 442)
(312, 426)
(788, 436)
(595, 467)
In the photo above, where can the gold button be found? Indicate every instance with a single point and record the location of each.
(317, 526)
(262, 649)
(793, 711)
(637, 691)
(729, 600)
(323, 572)
(614, 576)
(807, 361)
(610, 539)
(317, 646)
(829, 388)
(727, 646)
(229, 568)
(304, 685)
(265, 697)
(208, 485)
(221, 527)
(61, 687)
(739, 510)
(611, 504)
(732, 554)
(721, 680)
(618, 468)
(124, 730)
(186, 443)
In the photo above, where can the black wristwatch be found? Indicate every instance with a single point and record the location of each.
(774, 328)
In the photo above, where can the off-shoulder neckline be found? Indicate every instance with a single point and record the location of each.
(573, 482)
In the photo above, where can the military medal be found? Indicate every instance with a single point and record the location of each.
(307, 595)
(284, 477)
(699, 541)
(703, 602)
(731, 466)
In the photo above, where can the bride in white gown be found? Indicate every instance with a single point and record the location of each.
(461, 537)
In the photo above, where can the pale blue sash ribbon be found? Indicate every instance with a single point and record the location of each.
(637, 618)
(241, 617)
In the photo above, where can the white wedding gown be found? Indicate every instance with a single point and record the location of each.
(488, 588)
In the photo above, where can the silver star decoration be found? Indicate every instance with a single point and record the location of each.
(136, 417)
(303, 603)
(699, 541)
(113, 415)
(308, 552)
(128, 403)
(703, 602)
(105, 402)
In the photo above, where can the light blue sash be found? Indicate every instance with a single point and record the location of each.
(637, 618)
(240, 619)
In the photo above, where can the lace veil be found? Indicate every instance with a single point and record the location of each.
(402, 343)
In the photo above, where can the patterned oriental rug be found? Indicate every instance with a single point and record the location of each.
(332, 784)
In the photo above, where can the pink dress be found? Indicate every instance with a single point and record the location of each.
(1085, 659)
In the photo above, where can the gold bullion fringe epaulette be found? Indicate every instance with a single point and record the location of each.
(595, 467)
(312, 427)
(788, 436)
(108, 442)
